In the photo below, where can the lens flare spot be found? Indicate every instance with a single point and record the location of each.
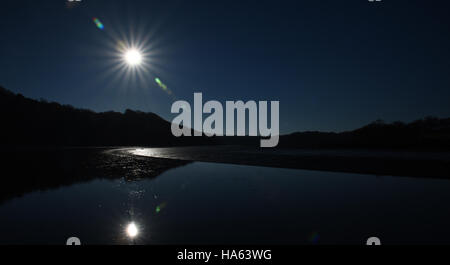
(163, 86)
(98, 23)
(160, 207)
(314, 238)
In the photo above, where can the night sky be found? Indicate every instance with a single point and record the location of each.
(333, 65)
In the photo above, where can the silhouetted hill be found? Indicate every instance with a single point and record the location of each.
(428, 133)
(28, 122)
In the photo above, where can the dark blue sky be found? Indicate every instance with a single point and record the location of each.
(333, 65)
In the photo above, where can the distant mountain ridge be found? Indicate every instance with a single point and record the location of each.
(428, 133)
(28, 122)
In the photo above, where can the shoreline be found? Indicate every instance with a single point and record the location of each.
(41, 169)
(398, 164)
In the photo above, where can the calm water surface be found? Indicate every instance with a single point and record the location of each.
(208, 203)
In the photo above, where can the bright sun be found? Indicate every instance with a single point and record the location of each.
(133, 57)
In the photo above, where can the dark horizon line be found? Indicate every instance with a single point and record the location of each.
(378, 121)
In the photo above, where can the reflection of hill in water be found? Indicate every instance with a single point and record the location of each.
(27, 170)
(376, 162)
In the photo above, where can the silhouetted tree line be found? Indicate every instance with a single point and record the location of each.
(429, 133)
(28, 122)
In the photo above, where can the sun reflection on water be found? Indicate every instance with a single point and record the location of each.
(149, 152)
(132, 230)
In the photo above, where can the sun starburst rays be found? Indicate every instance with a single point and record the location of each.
(129, 57)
